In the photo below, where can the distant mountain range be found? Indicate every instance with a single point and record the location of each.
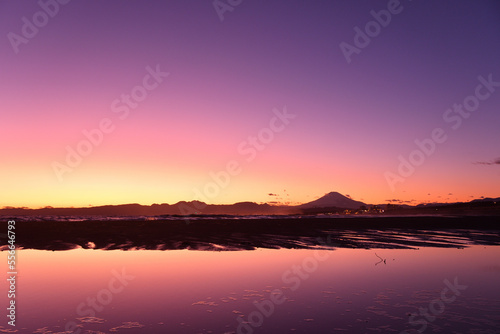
(332, 202)
(180, 208)
(481, 200)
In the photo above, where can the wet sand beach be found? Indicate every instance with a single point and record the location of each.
(247, 233)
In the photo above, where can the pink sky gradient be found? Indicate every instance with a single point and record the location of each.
(352, 120)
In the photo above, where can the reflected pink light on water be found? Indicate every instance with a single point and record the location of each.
(190, 291)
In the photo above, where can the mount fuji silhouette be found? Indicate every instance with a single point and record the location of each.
(333, 199)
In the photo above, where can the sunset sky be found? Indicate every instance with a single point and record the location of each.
(348, 117)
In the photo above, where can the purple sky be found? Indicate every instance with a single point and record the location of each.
(353, 120)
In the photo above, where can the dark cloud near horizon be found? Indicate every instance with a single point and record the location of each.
(494, 162)
(271, 194)
(400, 201)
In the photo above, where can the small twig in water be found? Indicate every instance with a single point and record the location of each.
(381, 259)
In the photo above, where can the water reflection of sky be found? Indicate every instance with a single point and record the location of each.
(205, 292)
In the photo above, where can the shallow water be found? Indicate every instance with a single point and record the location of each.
(296, 291)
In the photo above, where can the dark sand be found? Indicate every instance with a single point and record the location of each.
(216, 234)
